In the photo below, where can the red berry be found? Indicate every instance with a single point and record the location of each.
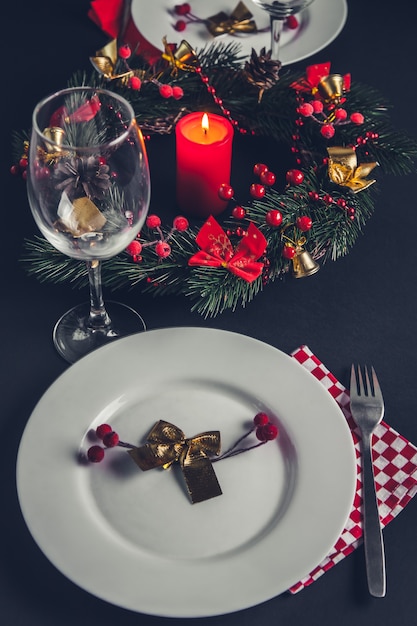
(288, 251)
(226, 192)
(180, 223)
(111, 439)
(357, 118)
(180, 25)
(340, 114)
(239, 212)
(153, 221)
(294, 177)
(306, 109)
(270, 432)
(135, 83)
(317, 106)
(182, 9)
(15, 170)
(177, 93)
(134, 248)
(165, 91)
(163, 249)
(95, 454)
(103, 429)
(261, 419)
(304, 223)
(267, 178)
(257, 191)
(291, 22)
(260, 433)
(273, 218)
(258, 168)
(125, 51)
(23, 163)
(327, 130)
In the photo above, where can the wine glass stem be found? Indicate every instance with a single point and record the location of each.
(276, 30)
(98, 318)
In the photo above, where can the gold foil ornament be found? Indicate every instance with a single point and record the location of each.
(79, 216)
(105, 61)
(167, 444)
(344, 170)
(183, 58)
(239, 21)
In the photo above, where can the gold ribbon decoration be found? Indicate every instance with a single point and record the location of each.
(105, 61)
(239, 21)
(166, 444)
(183, 58)
(344, 170)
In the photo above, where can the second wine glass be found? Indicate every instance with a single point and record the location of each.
(89, 192)
(279, 11)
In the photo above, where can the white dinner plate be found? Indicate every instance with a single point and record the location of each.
(133, 538)
(319, 25)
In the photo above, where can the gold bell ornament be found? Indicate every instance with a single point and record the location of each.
(331, 87)
(303, 264)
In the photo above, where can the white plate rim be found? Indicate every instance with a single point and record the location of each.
(47, 458)
(320, 24)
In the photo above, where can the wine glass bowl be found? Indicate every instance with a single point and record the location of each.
(279, 11)
(89, 193)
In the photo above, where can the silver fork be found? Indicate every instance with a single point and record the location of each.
(367, 408)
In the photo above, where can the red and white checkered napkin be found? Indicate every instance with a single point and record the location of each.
(395, 469)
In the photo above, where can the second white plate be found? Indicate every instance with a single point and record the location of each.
(133, 538)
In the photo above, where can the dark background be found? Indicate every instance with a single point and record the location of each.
(361, 308)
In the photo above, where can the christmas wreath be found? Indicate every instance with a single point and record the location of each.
(338, 133)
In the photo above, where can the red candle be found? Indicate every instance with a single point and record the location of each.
(204, 158)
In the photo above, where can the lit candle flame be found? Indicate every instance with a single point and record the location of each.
(205, 123)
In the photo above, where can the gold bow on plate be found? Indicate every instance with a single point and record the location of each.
(168, 444)
(344, 170)
(239, 21)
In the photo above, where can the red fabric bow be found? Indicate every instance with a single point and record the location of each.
(107, 15)
(314, 74)
(217, 250)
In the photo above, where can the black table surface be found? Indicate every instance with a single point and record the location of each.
(361, 308)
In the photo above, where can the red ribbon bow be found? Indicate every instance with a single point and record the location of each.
(314, 74)
(217, 250)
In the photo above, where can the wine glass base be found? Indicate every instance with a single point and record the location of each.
(73, 339)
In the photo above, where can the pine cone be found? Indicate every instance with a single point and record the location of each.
(261, 70)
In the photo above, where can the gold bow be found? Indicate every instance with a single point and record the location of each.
(168, 444)
(184, 58)
(239, 21)
(344, 170)
(105, 62)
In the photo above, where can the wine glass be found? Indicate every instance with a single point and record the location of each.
(278, 11)
(89, 192)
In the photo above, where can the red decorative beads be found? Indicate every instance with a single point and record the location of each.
(163, 249)
(294, 177)
(304, 223)
(257, 191)
(288, 251)
(273, 218)
(225, 192)
(102, 430)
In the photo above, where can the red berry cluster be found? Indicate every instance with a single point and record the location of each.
(110, 439)
(264, 431)
(162, 247)
(340, 203)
